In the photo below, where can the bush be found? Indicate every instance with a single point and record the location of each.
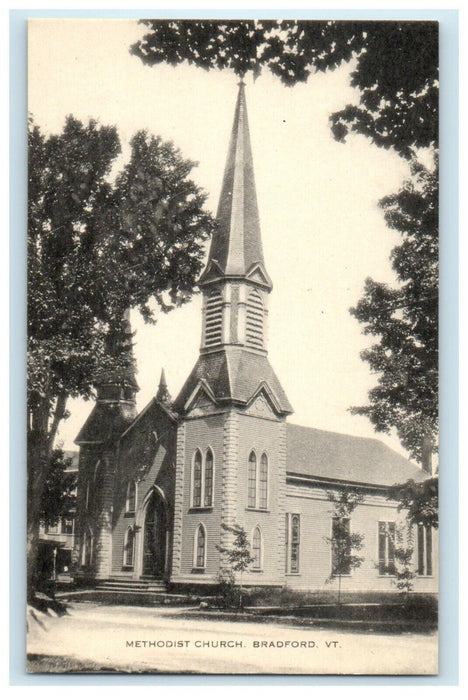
(227, 589)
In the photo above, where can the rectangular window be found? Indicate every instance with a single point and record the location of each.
(67, 526)
(341, 550)
(293, 542)
(424, 551)
(386, 548)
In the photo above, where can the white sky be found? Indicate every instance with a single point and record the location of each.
(323, 232)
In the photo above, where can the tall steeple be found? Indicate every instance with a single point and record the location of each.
(236, 248)
(233, 364)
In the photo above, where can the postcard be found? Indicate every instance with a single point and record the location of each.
(232, 346)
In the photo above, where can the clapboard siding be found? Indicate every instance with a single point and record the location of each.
(315, 552)
(202, 433)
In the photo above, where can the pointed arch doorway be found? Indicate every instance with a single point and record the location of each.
(154, 540)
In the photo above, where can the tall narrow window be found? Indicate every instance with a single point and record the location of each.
(263, 500)
(208, 480)
(254, 320)
(202, 479)
(386, 548)
(252, 481)
(293, 542)
(197, 480)
(200, 548)
(130, 504)
(129, 547)
(340, 546)
(257, 549)
(214, 320)
(424, 551)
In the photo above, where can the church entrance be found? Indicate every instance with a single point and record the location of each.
(154, 537)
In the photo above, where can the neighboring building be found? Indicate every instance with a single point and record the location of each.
(57, 542)
(156, 489)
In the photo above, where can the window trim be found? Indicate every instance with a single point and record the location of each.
(203, 456)
(129, 511)
(200, 528)
(126, 564)
(259, 568)
(425, 529)
(258, 481)
(386, 574)
(289, 543)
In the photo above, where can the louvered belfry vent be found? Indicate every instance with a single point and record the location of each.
(214, 320)
(254, 320)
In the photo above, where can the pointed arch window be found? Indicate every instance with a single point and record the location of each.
(199, 550)
(254, 320)
(263, 485)
(130, 502)
(214, 319)
(257, 549)
(129, 548)
(252, 481)
(197, 480)
(208, 480)
(257, 482)
(202, 479)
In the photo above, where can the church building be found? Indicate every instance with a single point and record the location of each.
(158, 490)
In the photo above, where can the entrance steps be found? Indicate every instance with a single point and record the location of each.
(143, 586)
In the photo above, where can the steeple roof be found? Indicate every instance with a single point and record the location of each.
(236, 247)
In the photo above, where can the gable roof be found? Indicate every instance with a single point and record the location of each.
(327, 455)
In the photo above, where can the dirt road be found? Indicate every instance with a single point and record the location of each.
(161, 640)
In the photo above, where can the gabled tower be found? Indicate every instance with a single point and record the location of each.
(113, 412)
(231, 447)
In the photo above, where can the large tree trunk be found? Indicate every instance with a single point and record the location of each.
(41, 437)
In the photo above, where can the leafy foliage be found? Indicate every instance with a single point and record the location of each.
(98, 244)
(395, 66)
(421, 500)
(239, 558)
(238, 554)
(59, 495)
(403, 553)
(344, 542)
(404, 319)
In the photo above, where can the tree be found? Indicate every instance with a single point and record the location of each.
(97, 246)
(59, 495)
(344, 542)
(420, 500)
(395, 66)
(238, 554)
(404, 321)
(403, 553)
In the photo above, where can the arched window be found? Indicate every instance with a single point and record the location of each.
(130, 504)
(197, 480)
(252, 481)
(214, 319)
(295, 542)
(129, 546)
(208, 480)
(257, 549)
(202, 479)
(254, 320)
(263, 496)
(199, 554)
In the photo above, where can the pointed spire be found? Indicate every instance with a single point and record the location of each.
(163, 394)
(236, 246)
(117, 381)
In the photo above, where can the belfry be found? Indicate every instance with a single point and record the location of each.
(160, 491)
